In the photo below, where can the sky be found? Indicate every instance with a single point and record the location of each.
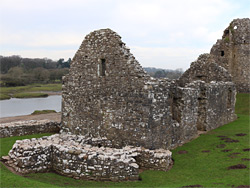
(166, 34)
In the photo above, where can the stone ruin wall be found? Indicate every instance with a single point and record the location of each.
(217, 93)
(83, 158)
(21, 128)
(116, 119)
(233, 52)
(125, 105)
(108, 94)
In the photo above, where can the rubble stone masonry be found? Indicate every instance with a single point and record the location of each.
(20, 128)
(116, 119)
(233, 52)
(108, 94)
(73, 156)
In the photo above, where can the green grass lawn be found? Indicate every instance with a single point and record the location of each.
(242, 105)
(46, 87)
(28, 91)
(205, 162)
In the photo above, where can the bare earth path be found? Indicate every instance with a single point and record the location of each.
(50, 116)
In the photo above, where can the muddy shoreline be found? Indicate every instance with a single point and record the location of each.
(49, 116)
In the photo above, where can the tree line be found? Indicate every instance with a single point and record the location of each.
(18, 71)
(164, 73)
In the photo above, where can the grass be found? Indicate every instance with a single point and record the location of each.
(30, 95)
(15, 91)
(242, 105)
(4, 96)
(209, 169)
(46, 87)
(43, 112)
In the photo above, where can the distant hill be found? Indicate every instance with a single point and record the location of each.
(163, 73)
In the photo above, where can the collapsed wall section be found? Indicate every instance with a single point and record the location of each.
(72, 156)
(205, 69)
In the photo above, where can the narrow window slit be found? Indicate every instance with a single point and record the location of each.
(103, 67)
(222, 53)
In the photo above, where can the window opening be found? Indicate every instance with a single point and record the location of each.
(103, 67)
(222, 53)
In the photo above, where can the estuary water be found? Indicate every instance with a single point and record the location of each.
(19, 107)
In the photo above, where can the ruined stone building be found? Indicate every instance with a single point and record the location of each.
(233, 52)
(108, 94)
(116, 119)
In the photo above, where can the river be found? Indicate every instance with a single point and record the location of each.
(19, 107)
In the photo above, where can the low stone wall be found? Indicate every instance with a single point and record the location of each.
(72, 156)
(20, 128)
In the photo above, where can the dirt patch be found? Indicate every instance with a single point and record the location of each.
(242, 186)
(229, 140)
(245, 159)
(226, 150)
(182, 152)
(238, 166)
(193, 186)
(50, 116)
(241, 134)
(205, 151)
(233, 155)
(221, 146)
(247, 149)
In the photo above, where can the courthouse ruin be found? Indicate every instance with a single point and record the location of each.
(116, 119)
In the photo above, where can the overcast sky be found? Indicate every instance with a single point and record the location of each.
(166, 34)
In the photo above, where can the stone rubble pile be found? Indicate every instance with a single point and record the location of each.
(20, 128)
(72, 156)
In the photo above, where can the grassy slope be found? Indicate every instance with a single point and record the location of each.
(29, 90)
(195, 167)
(242, 105)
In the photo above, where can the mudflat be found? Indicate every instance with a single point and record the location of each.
(49, 116)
